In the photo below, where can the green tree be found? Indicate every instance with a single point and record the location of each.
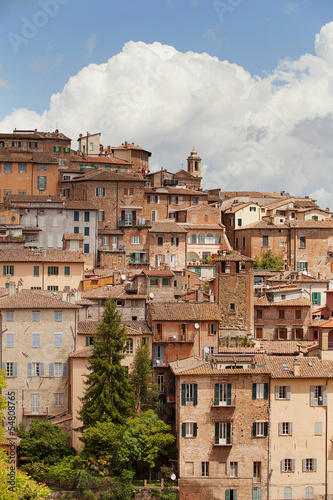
(269, 261)
(142, 378)
(44, 442)
(144, 439)
(108, 395)
(3, 403)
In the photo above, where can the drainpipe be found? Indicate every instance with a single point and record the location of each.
(295, 250)
(326, 437)
(269, 475)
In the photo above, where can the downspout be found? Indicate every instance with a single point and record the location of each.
(43, 275)
(326, 437)
(295, 251)
(269, 475)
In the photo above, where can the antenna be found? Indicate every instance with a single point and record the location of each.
(206, 350)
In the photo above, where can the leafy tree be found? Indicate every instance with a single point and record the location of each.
(142, 378)
(144, 439)
(269, 261)
(3, 403)
(44, 442)
(108, 394)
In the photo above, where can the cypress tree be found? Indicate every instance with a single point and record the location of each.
(108, 395)
(142, 379)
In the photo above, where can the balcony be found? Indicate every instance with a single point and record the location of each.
(229, 403)
(224, 442)
(131, 287)
(160, 362)
(179, 338)
(112, 249)
(134, 223)
(143, 260)
(42, 412)
(170, 182)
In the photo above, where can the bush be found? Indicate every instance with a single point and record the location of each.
(62, 472)
(88, 495)
(169, 495)
(37, 470)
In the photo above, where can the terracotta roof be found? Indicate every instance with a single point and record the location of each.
(79, 204)
(73, 236)
(105, 292)
(39, 299)
(174, 191)
(103, 175)
(82, 353)
(166, 226)
(88, 326)
(99, 273)
(310, 367)
(207, 227)
(235, 207)
(262, 224)
(100, 159)
(199, 366)
(232, 257)
(3, 292)
(140, 325)
(129, 145)
(34, 134)
(286, 347)
(30, 255)
(14, 198)
(40, 157)
(312, 224)
(85, 302)
(253, 194)
(328, 324)
(160, 272)
(301, 302)
(286, 287)
(184, 311)
(110, 231)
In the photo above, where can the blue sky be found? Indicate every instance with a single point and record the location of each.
(249, 83)
(255, 34)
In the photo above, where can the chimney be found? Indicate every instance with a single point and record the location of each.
(297, 368)
(64, 296)
(20, 285)
(12, 288)
(199, 296)
(126, 144)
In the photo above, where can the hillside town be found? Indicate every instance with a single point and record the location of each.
(242, 352)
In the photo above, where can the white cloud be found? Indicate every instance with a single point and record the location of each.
(45, 63)
(289, 8)
(91, 44)
(267, 133)
(3, 83)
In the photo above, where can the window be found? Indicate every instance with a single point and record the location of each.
(288, 465)
(86, 216)
(257, 493)
(154, 215)
(193, 238)
(173, 259)
(53, 270)
(76, 216)
(41, 182)
(129, 191)
(9, 316)
(58, 369)
(299, 333)
(222, 395)
(9, 340)
(281, 313)
(35, 369)
(174, 241)
(232, 307)
(8, 168)
(265, 241)
(22, 168)
(256, 471)
(58, 400)
(89, 341)
(195, 200)
(233, 469)
(160, 241)
(259, 313)
(316, 298)
(244, 241)
(160, 382)
(101, 215)
(285, 428)
(129, 346)
(58, 316)
(298, 314)
(36, 270)
(302, 266)
(309, 493)
(166, 281)
(212, 328)
(260, 391)
(100, 191)
(230, 494)
(239, 221)
(222, 433)
(204, 469)
(57, 149)
(318, 395)
(35, 340)
(76, 231)
(7, 192)
(153, 199)
(260, 429)
(302, 242)
(253, 209)
(8, 270)
(189, 429)
(282, 391)
(282, 333)
(318, 428)
(36, 316)
(209, 238)
(41, 167)
(86, 231)
(10, 368)
(67, 271)
(35, 403)
(135, 240)
(52, 288)
(159, 355)
(309, 465)
(86, 248)
(58, 340)
(190, 394)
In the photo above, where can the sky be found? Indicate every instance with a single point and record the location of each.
(248, 83)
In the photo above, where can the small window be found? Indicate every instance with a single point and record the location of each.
(22, 168)
(67, 271)
(298, 314)
(265, 241)
(76, 216)
(86, 231)
(259, 313)
(53, 270)
(8, 168)
(256, 471)
(204, 469)
(166, 282)
(135, 240)
(9, 316)
(36, 340)
(9, 340)
(260, 391)
(8, 270)
(309, 495)
(86, 216)
(86, 248)
(36, 270)
(160, 241)
(36, 316)
(260, 429)
(76, 230)
(288, 465)
(232, 307)
(101, 215)
(58, 340)
(302, 242)
(129, 346)
(58, 400)
(41, 182)
(282, 391)
(100, 191)
(233, 469)
(309, 464)
(281, 314)
(285, 429)
(41, 167)
(58, 316)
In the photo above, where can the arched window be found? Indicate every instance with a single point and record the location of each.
(201, 238)
(209, 238)
(129, 346)
(217, 239)
(193, 238)
(288, 493)
(308, 493)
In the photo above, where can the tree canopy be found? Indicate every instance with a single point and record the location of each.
(108, 395)
(142, 378)
(269, 261)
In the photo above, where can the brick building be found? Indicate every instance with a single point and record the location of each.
(167, 245)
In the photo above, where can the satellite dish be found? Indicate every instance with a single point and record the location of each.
(151, 295)
(158, 361)
(13, 218)
(173, 477)
(123, 277)
(196, 326)
(206, 350)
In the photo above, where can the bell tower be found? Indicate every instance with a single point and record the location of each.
(194, 164)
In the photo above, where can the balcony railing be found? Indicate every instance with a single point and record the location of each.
(144, 260)
(174, 338)
(137, 223)
(229, 403)
(42, 412)
(131, 286)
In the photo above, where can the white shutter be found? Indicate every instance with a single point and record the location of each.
(324, 395)
(293, 465)
(50, 240)
(312, 395)
(290, 428)
(288, 391)
(277, 392)
(35, 340)
(315, 465)
(280, 428)
(318, 428)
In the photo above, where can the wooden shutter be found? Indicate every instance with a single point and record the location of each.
(324, 395)
(29, 369)
(162, 354)
(217, 394)
(234, 494)
(293, 333)
(4, 366)
(315, 465)
(183, 393)
(288, 391)
(123, 215)
(183, 430)
(282, 465)
(228, 433)
(134, 217)
(254, 391)
(318, 428)
(254, 425)
(195, 394)
(51, 369)
(41, 369)
(276, 333)
(64, 369)
(290, 428)
(280, 428)
(293, 465)
(277, 392)
(312, 395)
(228, 394)
(227, 494)
(195, 429)
(217, 431)
(4, 270)
(266, 429)
(266, 391)
(15, 369)
(319, 298)
(304, 464)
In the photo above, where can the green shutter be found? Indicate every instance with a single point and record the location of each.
(49, 270)
(54, 149)
(254, 429)
(266, 391)
(183, 430)
(183, 394)
(56, 270)
(4, 270)
(217, 431)
(87, 341)
(254, 391)
(195, 394)
(217, 394)
(228, 394)
(228, 433)
(319, 298)
(306, 266)
(195, 429)
(266, 429)
(227, 494)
